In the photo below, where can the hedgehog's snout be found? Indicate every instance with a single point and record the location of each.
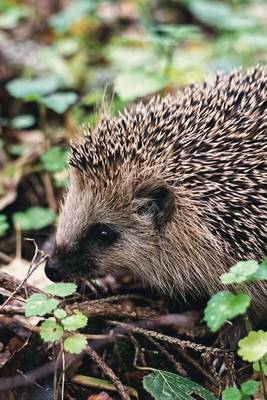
(54, 270)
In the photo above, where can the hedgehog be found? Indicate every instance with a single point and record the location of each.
(173, 191)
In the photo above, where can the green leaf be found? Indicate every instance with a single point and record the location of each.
(17, 149)
(51, 331)
(34, 218)
(59, 313)
(163, 385)
(220, 15)
(224, 306)
(59, 102)
(62, 21)
(243, 271)
(75, 344)
(39, 304)
(54, 159)
(75, 322)
(133, 84)
(60, 289)
(33, 88)
(10, 18)
(253, 347)
(250, 387)
(231, 394)
(4, 225)
(23, 121)
(261, 273)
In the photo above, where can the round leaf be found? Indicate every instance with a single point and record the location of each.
(75, 322)
(55, 159)
(23, 121)
(59, 313)
(253, 347)
(243, 271)
(50, 331)
(75, 344)
(34, 218)
(59, 102)
(231, 394)
(60, 289)
(250, 387)
(27, 88)
(224, 306)
(39, 304)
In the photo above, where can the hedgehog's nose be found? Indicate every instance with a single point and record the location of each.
(54, 270)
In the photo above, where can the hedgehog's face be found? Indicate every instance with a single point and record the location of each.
(95, 236)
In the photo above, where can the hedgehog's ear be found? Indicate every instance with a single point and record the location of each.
(155, 199)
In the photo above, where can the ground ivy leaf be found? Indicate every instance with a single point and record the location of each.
(59, 102)
(26, 88)
(163, 385)
(250, 387)
(253, 347)
(34, 218)
(75, 322)
(261, 272)
(231, 394)
(224, 306)
(75, 344)
(54, 159)
(61, 289)
(243, 271)
(39, 304)
(51, 331)
(59, 313)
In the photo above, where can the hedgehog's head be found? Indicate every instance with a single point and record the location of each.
(109, 227)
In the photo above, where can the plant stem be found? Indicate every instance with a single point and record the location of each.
(263, 380)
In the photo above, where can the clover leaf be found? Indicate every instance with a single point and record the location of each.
(75, 322)
(243, 271)
(75, 344)
(39, 304)
(253, 347)
(51, 331)
(224, 306)
(61, 289)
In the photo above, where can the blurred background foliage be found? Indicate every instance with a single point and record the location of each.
(59, 59)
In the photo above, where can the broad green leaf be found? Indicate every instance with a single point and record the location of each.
(39, 304)
(163, 385)
(34, 218)
(220, 15)
(133, 84)
(54, 159)
(232, 394)
(261, 273)
(51, 331)
(10, 17)
(75, 322)
(75, 344)
(17, 149)
(253, 347)
(59, 102)
(243, 271)
(33, 88)
(60, 289)
(224, 306)
(4, 225)
(23, 121)
(59, 313)
(250, 387)
(62, 21)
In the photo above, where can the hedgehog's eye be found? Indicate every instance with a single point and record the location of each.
(102, 234)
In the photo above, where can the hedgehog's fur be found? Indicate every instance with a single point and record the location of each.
(206, 147)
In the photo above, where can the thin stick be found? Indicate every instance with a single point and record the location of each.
(108, 372)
